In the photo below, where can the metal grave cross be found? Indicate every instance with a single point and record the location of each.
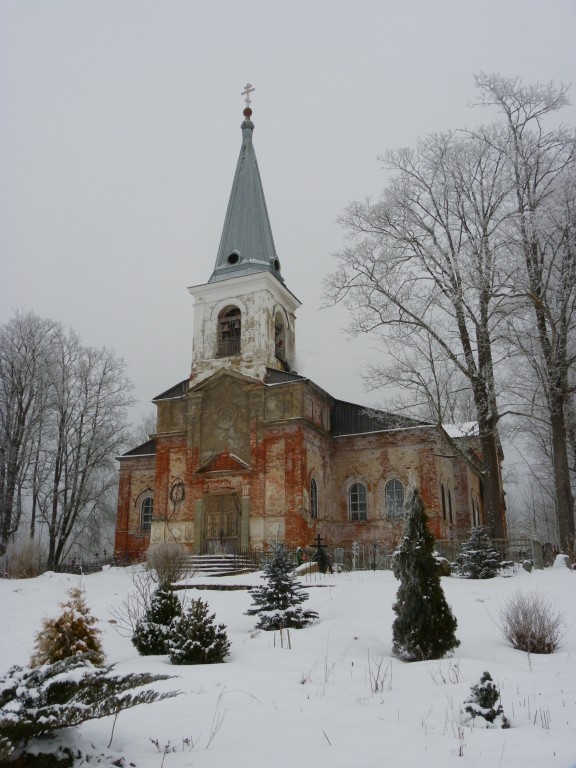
(249, 88)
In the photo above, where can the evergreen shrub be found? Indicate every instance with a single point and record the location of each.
(424, 627)
(483, 700)
(195, 639)
(277, 602)
(152, 632)
(71, 633)
(38, 701)
(478, 558)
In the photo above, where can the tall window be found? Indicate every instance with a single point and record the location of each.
(475, 514)
(357, 502)
(443, 501)
(279, 337)
(146, 513)
(394, 493)
(229, 331)
(450, 517)
(313, 499)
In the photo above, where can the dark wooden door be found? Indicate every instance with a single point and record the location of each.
(222, 524)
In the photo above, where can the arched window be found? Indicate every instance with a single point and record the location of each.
(475, 513)
(313, 499)
(146, 510)
(357, 502)
(443, 501)
(229, 331)
(450, 517)
(394, 493)
(279, 337)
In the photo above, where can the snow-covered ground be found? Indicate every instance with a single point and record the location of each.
(337, 697)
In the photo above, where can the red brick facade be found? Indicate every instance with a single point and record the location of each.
(234, 460)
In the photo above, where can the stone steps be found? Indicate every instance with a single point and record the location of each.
(219, 565)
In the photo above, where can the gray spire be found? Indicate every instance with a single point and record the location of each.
(246, 245)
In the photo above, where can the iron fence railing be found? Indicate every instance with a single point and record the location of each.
(359, 557)
(78, 566)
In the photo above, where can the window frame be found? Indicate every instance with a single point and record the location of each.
(393, 502)
(357, 503)
(313, 499)
(146, 513)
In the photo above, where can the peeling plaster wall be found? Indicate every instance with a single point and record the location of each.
(258, 297)
(137, 476)
(263, 444)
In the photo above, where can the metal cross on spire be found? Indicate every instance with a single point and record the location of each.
(249, 88)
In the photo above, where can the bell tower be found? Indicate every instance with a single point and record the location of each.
(244, 316)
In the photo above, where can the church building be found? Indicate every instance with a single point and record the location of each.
(248, 451)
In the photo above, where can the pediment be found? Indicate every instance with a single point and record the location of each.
(223, 462)
(225, 376)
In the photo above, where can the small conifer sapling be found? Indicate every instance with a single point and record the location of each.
(72, 633)
(478, 558)
(277, 602)
(424, 627)
(483, 702)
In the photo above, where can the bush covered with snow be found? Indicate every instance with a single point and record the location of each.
(71, 633)
(195, 639)
(152, 632)
(478, 558)
(483, 702)
(36, 702)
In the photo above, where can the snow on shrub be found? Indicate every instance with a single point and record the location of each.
(152, 632)
(424, 627)
(36, 702)
(483, 702)
(195, 639)
(71, 633)
(277, 602)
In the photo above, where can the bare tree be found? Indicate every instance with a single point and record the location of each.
(424, 271)
(63, 416)
(146, 425)
(23, 398)
(540, 165)
(89, 405)
(431, 388)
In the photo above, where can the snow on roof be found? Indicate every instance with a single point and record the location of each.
(465, 429)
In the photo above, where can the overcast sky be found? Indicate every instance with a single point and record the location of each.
(121, 130)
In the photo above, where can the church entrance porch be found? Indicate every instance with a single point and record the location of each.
(221, 529)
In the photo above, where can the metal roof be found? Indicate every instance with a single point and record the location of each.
(246, 245)
(146, 449)
(175, 392)
(353, 419)
(274, 376)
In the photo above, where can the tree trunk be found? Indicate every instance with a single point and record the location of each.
(563, 488)
(493, 496)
